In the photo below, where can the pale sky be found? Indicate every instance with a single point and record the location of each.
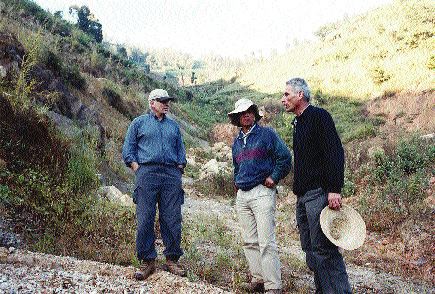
(225, 27)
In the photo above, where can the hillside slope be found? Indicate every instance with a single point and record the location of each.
(387, 49)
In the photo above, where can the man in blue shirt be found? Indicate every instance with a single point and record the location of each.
(154, 150)
(260, 160)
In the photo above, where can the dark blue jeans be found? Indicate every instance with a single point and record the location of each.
(158, 185)
(322, 257)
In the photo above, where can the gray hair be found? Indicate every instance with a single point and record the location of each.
(300, 85)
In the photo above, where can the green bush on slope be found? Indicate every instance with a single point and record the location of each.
(396, 183)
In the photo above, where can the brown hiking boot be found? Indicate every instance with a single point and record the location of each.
(173, 267)
(253, 287)
(146, 269)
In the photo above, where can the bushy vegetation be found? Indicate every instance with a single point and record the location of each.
(209, 249)
(216, 186)
(395, 183)
(52, 187)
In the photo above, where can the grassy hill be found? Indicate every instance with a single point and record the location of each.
(388, 49)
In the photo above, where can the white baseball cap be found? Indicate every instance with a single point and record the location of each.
(159, 95)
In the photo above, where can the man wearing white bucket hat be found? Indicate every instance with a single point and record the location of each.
(260, 160)
(318, 180)
(154, 150)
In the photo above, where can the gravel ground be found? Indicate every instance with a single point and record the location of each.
(29, 272)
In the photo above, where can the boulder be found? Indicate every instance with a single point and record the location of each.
(213, 167)
(428, 137)
(9, 239)
(222, 151)
(113, 194)
(11, 55)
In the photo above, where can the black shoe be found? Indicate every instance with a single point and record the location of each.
(253, 287)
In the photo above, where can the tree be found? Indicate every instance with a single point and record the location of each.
(87, 22)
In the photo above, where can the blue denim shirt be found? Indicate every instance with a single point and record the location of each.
(149, 140)
(261, 155)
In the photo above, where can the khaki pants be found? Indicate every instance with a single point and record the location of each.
(256, 213)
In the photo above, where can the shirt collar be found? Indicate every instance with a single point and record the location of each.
(301, 116)
(153, 115)
(252, 130)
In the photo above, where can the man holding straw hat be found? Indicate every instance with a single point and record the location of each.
(318, 180)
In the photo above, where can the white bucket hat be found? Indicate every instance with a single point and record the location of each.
(159, 95)
(240, 106)
(344, 228)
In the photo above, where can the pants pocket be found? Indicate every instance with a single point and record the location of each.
(182, 196)
(135, 194)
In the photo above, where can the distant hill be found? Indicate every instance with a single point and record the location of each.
(390, 48)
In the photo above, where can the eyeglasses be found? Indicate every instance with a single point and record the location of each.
(163, 102)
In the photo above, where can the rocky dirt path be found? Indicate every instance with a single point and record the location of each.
(27, 272)
(363, 279)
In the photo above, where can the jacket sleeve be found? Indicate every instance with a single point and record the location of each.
(129, 149)
(235, 164)
(282, 157)
(181, 156)
(332, 150)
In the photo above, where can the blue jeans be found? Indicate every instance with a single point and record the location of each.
(158, 184)
(322, 257)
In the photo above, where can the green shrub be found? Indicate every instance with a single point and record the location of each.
(220, 185)
(362, 131)
(24, 85)
(396, 183)
(349, 187)
(71, 75)
(81, 171)
(80, 41)
(379, 75)
(431, 62)
(53, 61)
(98, 62)
(212, 251)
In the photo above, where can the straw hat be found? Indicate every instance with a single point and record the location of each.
(345, 227)
(242, 105)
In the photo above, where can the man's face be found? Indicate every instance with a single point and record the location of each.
(160, 108)
(247, 118)
(290, 99)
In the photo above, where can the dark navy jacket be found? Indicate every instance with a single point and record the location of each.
(263, 155)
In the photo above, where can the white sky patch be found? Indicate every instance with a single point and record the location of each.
(225, 27)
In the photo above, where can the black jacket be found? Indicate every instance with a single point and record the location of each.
(318, 153)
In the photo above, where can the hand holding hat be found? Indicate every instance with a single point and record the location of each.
(344, 228)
